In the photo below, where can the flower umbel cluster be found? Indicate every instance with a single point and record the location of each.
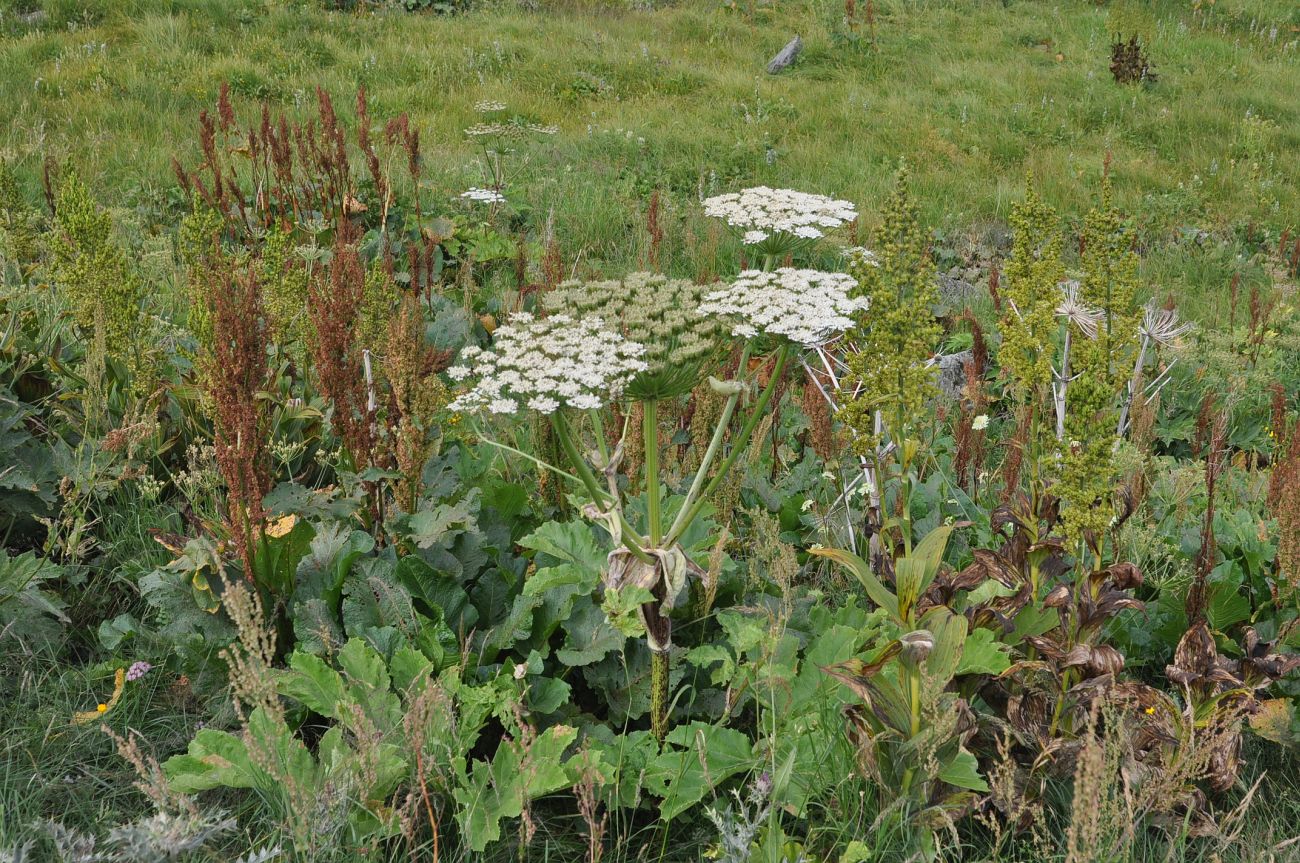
(515, 128)
(545, 365)
(808, 307)
(655, 311)
(487, 196)
(760, 212)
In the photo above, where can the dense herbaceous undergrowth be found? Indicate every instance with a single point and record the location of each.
(367, 495)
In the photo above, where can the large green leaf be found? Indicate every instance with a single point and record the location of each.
(914, 572)
(963, 771)
(310, 681)
(329, 559)
(698, 759)
(500, 789)
(876, 590)
(588, 636)
(983, 654)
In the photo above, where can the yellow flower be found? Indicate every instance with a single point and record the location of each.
(102, 708)
(1150, 711)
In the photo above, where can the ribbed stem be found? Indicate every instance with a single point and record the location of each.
(650, 434)
(659, 694)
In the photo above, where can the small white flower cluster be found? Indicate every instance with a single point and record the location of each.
(862, 256)
(489, 106)
(761, 212)
(512, 129)
(547, 364)
(487, 196)
(808, 307)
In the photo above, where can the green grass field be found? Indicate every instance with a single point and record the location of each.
(972, 94)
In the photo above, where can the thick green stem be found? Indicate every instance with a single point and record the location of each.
(598, 426)
(650, 434)
(630, 537)
(738, 446)
(659, 694)
(914, 702)
(715, 444)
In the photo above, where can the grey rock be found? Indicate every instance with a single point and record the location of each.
(952, 373)
(785, 56)
(955, 291)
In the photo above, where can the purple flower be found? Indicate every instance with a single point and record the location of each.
(138, 670)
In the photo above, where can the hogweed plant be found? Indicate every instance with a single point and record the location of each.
(572, 367)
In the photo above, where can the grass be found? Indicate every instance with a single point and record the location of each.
(677, 98)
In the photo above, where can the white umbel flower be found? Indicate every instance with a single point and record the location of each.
(761, 211)
(544, 365)
(487, 196)
(808, 307)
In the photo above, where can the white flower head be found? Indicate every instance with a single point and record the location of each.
(808, 307)
(765, 211)
(487, 196)
(980, 422)
(489, 106)
(547, 364)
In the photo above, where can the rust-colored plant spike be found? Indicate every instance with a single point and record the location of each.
(820, 421)
(1284, 489)
(334, 303)
(234, 374)
(418, 394)
(367, 146)
(655, 230)
(995, 279)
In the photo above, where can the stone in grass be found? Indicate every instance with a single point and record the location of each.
(785, 56)
(952, 373)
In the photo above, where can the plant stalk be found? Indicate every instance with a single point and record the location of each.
(650, 434)
(738, 446)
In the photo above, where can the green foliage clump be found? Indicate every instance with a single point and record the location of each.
(94, 273)
(379, 300)
(20, 232)
(900, 332)
(659, 313)
(1102, 366)
(1110, 283)
(197, 241)
(1031, 281)
(284, 289)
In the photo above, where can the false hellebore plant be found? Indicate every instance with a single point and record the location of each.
(645, 339)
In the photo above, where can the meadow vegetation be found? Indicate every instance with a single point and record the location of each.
(485, 430)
